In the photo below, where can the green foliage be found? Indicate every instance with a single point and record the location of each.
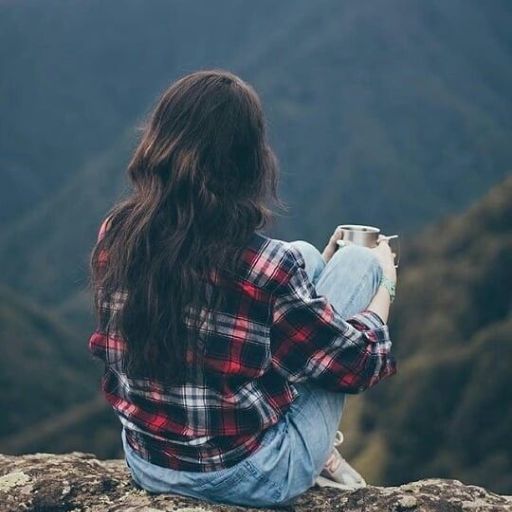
(50, 385)
(392, 115)
(448, 412)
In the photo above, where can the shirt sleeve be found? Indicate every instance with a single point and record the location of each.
(310, 341)
(102, 258)
(103, 229)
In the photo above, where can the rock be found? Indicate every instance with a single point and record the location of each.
(407, 502)
(78, 482)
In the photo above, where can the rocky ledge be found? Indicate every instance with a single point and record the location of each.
(79, 482)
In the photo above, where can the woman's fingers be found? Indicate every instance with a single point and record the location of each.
(337, 234)
(337, 239)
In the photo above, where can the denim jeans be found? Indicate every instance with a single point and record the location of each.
(294, 450)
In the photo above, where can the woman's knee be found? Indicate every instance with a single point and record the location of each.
(312, 257)
(362, 260)
(307, 249)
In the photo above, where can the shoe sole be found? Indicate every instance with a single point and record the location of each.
(321, 481)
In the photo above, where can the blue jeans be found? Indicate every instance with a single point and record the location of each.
(293, 451)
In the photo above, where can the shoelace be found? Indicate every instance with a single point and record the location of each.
(335, 458)
(334, 461)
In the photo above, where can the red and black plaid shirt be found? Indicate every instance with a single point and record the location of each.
(277, 331)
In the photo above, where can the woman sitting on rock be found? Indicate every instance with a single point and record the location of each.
(228, 354)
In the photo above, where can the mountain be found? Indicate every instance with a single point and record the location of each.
(392, 114)
(77, 74)
(49, 383)
(448, 412)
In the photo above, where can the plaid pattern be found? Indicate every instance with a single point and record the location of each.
(275, 331)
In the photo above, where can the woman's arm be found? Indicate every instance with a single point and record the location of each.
(309, 340)
(382, 300)
(103, 228)
(380, 304)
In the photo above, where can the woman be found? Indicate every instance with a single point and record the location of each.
(228, 354)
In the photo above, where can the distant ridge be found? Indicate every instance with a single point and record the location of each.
(449, 410)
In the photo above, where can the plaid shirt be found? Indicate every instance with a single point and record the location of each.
(277, 332)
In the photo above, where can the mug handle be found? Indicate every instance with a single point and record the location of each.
(395, 250)
(341, 243)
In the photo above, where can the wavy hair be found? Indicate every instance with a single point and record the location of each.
(202, 176)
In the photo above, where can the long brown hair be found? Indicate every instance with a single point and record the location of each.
(202, 175)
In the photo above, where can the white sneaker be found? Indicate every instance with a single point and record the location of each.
(337, 471)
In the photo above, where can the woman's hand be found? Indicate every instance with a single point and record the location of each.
(382, 299)
(386, 258)
(382, 251)
(332, 246)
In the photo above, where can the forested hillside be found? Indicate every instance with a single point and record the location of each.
(447, 412)
(44, 368)
(389, 114)
(77, 74)
(395, 113)
(395, 100)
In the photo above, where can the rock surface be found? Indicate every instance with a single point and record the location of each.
(81, 483)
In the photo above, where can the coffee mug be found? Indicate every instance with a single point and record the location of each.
(359, 234)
